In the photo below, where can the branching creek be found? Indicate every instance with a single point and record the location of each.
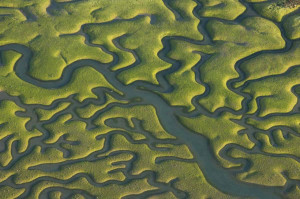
(143, 93)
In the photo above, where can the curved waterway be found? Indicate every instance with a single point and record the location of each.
(199, 146)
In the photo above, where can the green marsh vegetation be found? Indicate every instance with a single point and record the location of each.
(149, 99)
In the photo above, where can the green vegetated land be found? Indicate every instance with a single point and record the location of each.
(156, 99)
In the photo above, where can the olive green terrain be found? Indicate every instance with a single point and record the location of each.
(156, 99)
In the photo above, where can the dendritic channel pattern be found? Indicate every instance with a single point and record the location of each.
(149, 99)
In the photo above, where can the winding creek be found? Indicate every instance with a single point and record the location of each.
(199, 145)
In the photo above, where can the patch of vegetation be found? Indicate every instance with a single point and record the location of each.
(288, 3)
